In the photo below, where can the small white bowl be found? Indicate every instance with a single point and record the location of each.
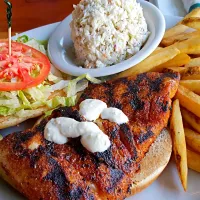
(61, 53)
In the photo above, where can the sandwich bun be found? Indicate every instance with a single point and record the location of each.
(153, 164)
(13, 120)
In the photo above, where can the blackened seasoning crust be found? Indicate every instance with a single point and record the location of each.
(69, 171)
(144, 136)
(116, 175)
(127, 138)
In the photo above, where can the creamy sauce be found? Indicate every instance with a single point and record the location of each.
(114, 115)
(92, 138)
(53, 134)
(68, 127)
(95, 142)
(91, 109)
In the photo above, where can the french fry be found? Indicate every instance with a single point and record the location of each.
(192, 22)
(178, 61)
(189, 100)
(178, 38)
(194, 55)
(185, 124)
(193, 85)
(190, 46)
(193, 13)
(180, 70)
(179, 144)
(192, 139)
(151, 62)
(193, 159)
(193, 62)
(156, 51)
(191, 119)
(191, 73)
(180, 28)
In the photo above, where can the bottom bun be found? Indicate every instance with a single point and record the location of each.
(153, 163)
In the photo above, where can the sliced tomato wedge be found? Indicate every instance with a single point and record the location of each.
(25, 68)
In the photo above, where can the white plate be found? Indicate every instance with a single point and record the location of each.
(166, 187)
(60, 47)
(171, 7)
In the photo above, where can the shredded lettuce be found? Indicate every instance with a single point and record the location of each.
(61, 101)
(4, 111)
(36, 44)
(9, 99)
(24, 102)
(74, 87)
(52, 78)
(23, 39)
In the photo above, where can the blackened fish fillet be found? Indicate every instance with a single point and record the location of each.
(42, 170)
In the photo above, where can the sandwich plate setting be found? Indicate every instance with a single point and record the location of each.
(166, 187)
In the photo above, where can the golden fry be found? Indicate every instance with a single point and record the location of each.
(189, 100)
(180, 28)
(192, 22)
(157, 50)
(192, 139)
(191, 119)
(195, 62)
(193, 85)
(190, 46)
(193, 159)
(191, 73)
(180, 70)
(179, 144)
(178, 61)
(178, 38)
(193, 13)
(151, 62)
(194, 55)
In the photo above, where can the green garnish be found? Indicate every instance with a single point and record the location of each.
(23, 39)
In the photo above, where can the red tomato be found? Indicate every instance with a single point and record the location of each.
(17, 70)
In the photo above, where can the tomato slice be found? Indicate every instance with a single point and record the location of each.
(25, 68)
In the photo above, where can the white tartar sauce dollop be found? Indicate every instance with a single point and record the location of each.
(68, 127)
(91, 109)
(58, 130)
(95, 142)
(92, 138)
(52, 132)
(114, 115)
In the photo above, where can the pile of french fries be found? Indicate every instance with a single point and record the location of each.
(179, 51)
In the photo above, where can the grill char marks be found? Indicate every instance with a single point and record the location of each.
(57, 176)
(134, 89)
(69, 171)
(65, 188)
(127, 138)
(116, 175)
(144, 136)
